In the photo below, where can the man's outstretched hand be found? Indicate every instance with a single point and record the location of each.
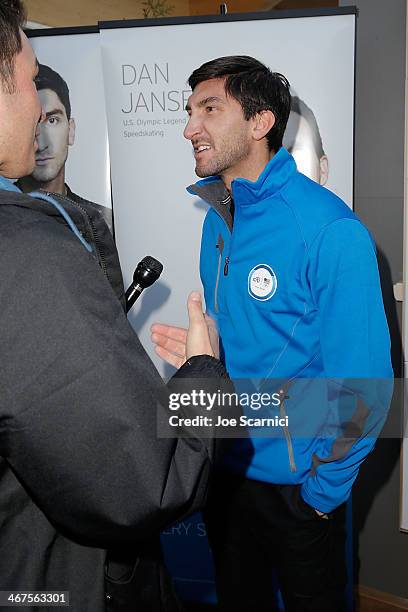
(177, 344)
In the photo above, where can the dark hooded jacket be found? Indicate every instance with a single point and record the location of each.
(82, 471)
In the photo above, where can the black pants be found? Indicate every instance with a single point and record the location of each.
(257, 529)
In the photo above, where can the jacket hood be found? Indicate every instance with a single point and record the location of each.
(87, 220)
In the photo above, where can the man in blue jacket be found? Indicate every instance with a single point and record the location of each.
(290, 275)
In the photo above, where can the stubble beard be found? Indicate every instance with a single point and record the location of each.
(231, 154)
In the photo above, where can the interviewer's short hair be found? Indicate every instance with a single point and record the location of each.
(12, 18)
(48, 78)
(254, 86)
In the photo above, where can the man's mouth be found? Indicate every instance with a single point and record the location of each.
(201, 148)
(41, 161)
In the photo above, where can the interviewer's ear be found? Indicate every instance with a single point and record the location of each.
(263, 122)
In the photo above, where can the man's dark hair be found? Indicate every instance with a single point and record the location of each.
(12, 18)
(302, 109)
(47, 78)
(254, 86)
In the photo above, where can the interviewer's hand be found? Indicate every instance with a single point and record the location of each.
(177, 344)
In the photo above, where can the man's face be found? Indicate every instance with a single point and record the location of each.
(298, 139)
(56, 134)
(218, 131)
(20, 112)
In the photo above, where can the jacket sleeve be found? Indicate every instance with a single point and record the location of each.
(355, 345)
(80, 398)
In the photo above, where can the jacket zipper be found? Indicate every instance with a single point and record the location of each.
(282, 392)
(94, 233)
(286, 431)
(220, 247)
(227, 260)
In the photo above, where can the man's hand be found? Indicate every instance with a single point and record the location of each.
(176, 344)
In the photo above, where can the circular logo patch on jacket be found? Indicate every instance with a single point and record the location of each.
(262, 282)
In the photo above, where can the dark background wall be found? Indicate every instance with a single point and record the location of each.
(381, 549)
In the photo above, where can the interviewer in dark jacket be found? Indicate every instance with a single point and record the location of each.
(82, 470)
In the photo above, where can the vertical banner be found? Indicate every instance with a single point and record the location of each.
(146, 68)
(74, 135)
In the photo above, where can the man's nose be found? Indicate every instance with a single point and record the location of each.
(192, 128)
(41, 119)
(41, 112)
(40, 135)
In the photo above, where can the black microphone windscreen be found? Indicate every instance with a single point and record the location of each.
(151, 262)
(147, 272)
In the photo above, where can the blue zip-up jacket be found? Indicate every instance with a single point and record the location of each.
(293, 284)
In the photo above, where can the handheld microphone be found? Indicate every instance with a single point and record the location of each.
(147, 272)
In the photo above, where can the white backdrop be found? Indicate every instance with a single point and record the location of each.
(145, 74)
(76, 57)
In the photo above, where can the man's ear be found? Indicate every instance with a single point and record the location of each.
(263, 122)
(71, 132)
(324, 169)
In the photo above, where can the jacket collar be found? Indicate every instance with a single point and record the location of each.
(274, 176)
(8, 185)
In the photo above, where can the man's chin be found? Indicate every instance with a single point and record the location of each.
(204, 172)
(41, 177)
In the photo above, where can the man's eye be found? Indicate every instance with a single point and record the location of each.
(52, 120)
(210, 109)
